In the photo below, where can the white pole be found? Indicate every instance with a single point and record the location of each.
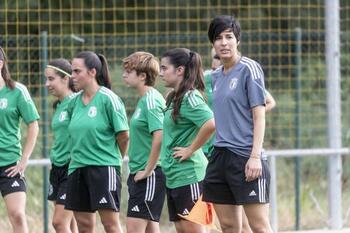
(334, 111)
(273, 194)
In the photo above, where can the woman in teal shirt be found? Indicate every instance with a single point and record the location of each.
(99, 139)
(188, 124)
(59, 84)
(146, 182)
(15, 105)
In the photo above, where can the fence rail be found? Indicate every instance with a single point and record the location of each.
(273, 154)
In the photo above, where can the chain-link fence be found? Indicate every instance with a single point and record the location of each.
(272, 30)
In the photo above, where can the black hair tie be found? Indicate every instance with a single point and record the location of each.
(190, 58)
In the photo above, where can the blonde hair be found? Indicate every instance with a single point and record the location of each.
(143, 62)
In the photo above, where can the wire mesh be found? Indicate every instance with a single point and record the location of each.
(117, 28)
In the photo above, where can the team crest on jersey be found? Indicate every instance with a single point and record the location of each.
(233, 83)
(3, 103)
(92, 111)
(63, 116)
(137, 113)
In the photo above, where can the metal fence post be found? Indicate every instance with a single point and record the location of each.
(44, 126)
(297, 124)
(332, 27)
(273, 194)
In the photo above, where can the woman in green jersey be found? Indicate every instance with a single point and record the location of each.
(188, 124)
(15, 105)
(99, 139)
(146, 182)
(59, 83)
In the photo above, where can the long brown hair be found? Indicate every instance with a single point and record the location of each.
(5, 73)
(193, 76)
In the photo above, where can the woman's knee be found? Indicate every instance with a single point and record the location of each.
(60, 225)
(261, 227)
(111, 225)
(17, 217)
(85, 225)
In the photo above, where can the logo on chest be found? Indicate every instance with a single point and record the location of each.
(3, 103)
(233, 83)
(92, 111)
(63, 116)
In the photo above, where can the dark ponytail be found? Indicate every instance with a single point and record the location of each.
(99, 63)
(5, 73)
(194, 71)
(193, 76)
(104, 79)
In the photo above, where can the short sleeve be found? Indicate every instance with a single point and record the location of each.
(117, 114)
(26, 106)
(255, 85)
(155, 117)
(195, 109)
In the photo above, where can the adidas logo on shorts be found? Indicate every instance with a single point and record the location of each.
(252, 193)
(185, 212)
(63, 197)
(135, 209)
(103, 201)
(15, 184)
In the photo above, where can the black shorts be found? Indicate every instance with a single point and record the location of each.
(11, 184)
(58, 184)
(182, 199)
(224, 182)
(93, 187)
(146, 197)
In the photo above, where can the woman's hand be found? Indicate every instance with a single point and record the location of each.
(140, 175)
(253, 169)
(17, 169)
(182, 152)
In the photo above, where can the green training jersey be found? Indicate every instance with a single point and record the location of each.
(208, 89)
(15, 104)
(207, 147)
(60, 151)
(194, 112)
(147, 118)
(93, 129)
